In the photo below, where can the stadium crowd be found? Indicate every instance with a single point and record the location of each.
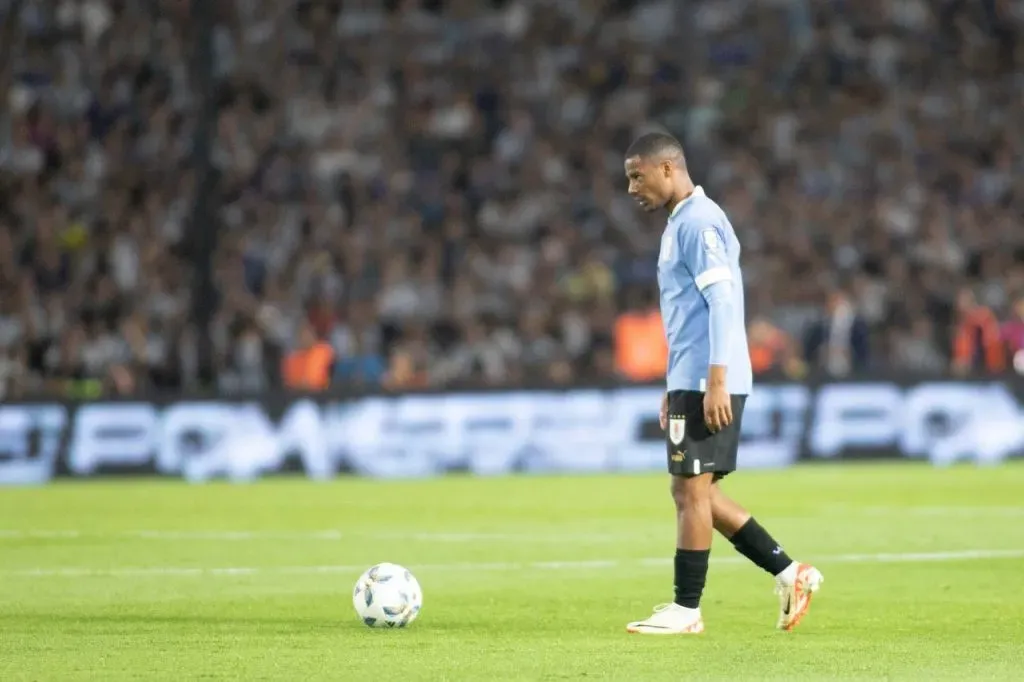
(430, 193)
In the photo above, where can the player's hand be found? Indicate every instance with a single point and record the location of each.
(663, 414)
(717, 408)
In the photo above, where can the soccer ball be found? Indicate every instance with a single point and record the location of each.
(387, 596)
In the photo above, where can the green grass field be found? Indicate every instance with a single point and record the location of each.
(524, 579)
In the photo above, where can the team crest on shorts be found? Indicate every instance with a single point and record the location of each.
(676, 430)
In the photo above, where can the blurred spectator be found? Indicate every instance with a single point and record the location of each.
(121, 380)
(916, 351)
(1013, 334)
(641, 350)
(772, 351)
(838, 342)
(406, 370)
(478, 353)
(978, 341)
(560, 372)
(308, 367)
(361, 367)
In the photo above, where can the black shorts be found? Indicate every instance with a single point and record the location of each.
(692, 448)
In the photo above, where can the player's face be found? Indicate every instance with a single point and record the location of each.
(650, 183)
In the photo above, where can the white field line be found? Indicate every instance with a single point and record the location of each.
(599, 564)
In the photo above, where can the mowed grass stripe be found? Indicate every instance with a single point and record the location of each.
(229, 571)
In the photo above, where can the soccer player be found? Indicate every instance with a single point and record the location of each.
(709, 378)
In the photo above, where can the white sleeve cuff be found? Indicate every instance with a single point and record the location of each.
(712, 276)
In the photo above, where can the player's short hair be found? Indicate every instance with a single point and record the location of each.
(656, 146)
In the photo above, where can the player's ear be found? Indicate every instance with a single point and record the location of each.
(666, 168)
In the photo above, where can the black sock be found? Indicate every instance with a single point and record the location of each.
(691, 573)
(754, 542)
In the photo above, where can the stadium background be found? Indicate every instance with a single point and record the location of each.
(246, 199)
(239, 238)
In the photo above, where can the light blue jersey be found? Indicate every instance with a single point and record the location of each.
(702, 297)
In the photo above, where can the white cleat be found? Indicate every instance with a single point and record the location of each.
(795, 586)
(669, 619)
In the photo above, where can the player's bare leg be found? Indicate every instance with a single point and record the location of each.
(694, 512)
(795, 583)
(694, 529)
(728, 516)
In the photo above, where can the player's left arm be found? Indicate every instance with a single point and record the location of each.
(705, 251)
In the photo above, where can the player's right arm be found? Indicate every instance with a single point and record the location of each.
(703, 250)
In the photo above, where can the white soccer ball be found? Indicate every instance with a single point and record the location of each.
(387, 596)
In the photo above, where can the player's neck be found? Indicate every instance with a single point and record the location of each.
(683, 192)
